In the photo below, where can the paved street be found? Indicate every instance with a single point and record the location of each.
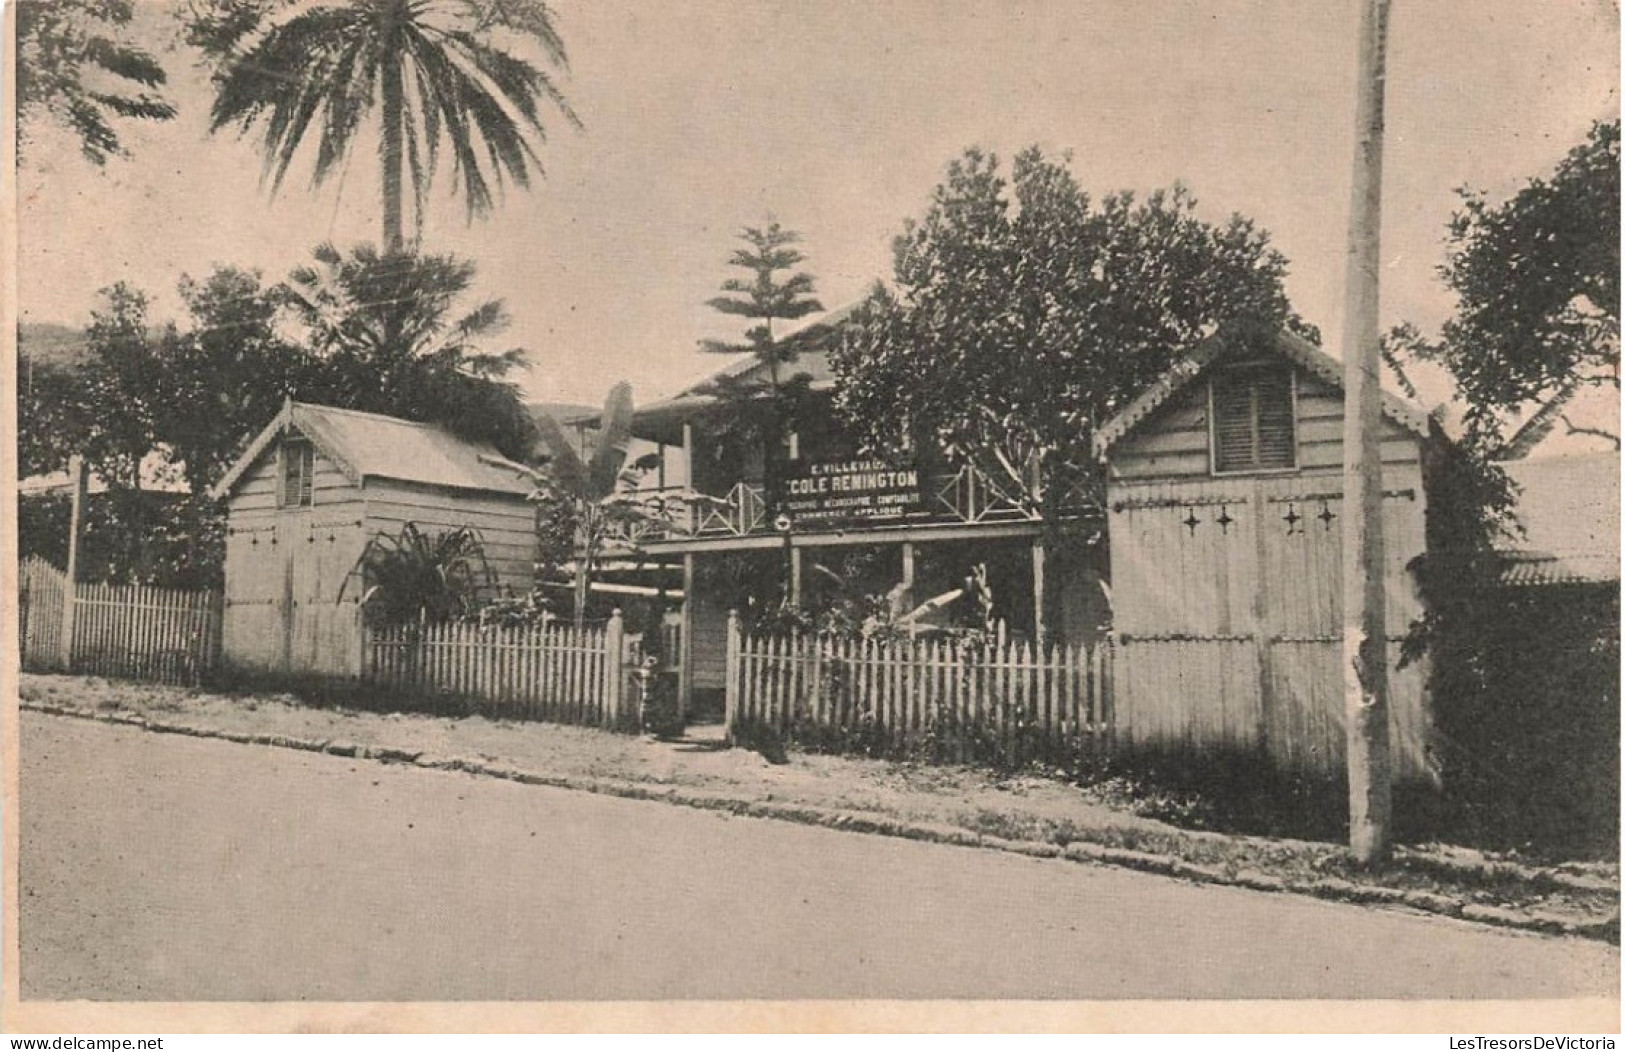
(163, 867)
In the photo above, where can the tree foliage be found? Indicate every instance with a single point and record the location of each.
(411, 574)
(754, 414)
(1536, 280)
(390, 336)
(76, 65)
(1022, 315)
(358, 331)
(428, 73)
(181, 397)
(765, 297)
(593, 501)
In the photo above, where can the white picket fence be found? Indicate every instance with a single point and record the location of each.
(553, 672)
(126, 631)
(943, 698)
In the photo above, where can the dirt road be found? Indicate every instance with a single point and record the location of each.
(162, 867)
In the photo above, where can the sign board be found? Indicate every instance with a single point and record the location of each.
(835, 492)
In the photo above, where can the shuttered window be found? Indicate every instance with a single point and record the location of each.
(1253, 419)
(298, 463)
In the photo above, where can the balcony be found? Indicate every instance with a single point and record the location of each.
(957, 498)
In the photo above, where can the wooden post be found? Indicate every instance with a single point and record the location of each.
(688, 484)
(685, 661)
(1365, 643)
(614, 669)
(795, 573)
(1038, 593)
(730, 679)
(70, 584)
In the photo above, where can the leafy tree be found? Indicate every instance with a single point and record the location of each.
(76, 66)
(1023, 315)
(123, 388)
(427, 69)
(390, 339)
(52, 414)
(595, 497)
(228, 373)
(1536, 280)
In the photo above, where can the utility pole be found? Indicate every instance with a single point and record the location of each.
(1365, 631)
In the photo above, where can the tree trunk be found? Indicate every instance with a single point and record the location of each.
(1365, 657)
(391, 149)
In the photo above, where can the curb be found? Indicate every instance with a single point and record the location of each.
(1331, 889)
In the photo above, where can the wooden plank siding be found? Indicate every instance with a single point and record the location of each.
(1174, 442)
(506, 525)
(708, 638)
(1227, 589)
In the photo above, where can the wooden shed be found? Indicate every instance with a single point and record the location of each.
(308, 493)
(1225, 516)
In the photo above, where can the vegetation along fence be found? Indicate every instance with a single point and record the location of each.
(939, 698)
(132, 631)
(552, 672)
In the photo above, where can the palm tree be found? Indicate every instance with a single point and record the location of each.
(76, 63)
(390, 338)
(430, 68)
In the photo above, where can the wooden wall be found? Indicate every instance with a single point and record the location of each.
(288, 607)
(1173, 443)
(507, 525)
(1227, 591)
(709, 638)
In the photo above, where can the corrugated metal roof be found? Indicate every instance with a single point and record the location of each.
(1569, 509)
(370, 445)
(1526, 569)
(376, 446)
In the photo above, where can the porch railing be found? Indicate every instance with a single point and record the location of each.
(964, 495)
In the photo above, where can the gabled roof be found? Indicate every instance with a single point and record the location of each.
(369, 445)
(810, 342)
(1569, 509)
(1294, 348)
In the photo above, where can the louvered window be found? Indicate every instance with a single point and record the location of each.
(1253, 419)
(298, 463)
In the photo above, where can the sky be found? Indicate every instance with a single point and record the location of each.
(836, 119)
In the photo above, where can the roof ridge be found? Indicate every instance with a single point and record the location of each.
(373, 416)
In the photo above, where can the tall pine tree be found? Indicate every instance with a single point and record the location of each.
(755, 412)
(764, 298)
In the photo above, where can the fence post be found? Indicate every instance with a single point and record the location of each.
(614, 669)
(730, 678)
(76, 515)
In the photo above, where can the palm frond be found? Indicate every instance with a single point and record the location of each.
(565, 466)
(614, 438)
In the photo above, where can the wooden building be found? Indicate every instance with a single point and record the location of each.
(1225, 521)
(910, 529)
(309, 492)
